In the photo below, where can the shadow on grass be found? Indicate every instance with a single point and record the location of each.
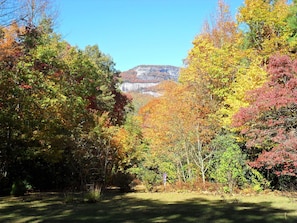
(121, 208)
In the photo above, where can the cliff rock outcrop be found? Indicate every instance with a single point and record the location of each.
(143, 78)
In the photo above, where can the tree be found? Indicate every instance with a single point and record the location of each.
(202, 154)
(266, 25)
(129, 141)
(164, 130)
(209, 62)
(26, 12)
(216, 63)
(250, 75)
(174, 130)
(32, 12)
(292, 26)
(229, 163)
(59, 106)
(105, 80)
(14, 97)
(268, 124)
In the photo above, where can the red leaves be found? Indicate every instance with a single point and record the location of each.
(282, 159)
(270, 122)
(280, 91)
(121, 101)
(25, 86)
(281, 69)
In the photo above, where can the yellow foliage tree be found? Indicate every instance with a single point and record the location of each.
(267, 28)
(250, 75)
(215, 61)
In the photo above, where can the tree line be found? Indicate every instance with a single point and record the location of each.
(60, 108)
(229, 120)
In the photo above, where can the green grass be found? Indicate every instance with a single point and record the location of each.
(149, 207)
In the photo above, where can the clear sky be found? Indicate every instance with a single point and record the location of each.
(136, 32)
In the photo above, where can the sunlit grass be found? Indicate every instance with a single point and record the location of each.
(151, 207)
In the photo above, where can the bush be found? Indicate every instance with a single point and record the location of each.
(18, 188)
(93, 196)
(69, 198)
(123, 180)
(229, 163)
(257, 181)
(148, 176)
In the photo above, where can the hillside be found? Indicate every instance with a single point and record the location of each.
(144, 78)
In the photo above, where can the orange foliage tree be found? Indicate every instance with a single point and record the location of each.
(179, 127)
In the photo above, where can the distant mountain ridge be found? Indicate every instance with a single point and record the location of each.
(143, 77)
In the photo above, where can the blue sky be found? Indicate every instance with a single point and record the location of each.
(135, 32)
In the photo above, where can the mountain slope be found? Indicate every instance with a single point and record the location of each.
(143, 78)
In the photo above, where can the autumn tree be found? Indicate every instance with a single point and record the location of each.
(215, 61)
(250, 75)
(133, 154)
(161, 128)
(59, 105)
(14, 95)
(209, 62)
(266, 26)
(179, 132)
(268, 123)
(269, 27)
(220, 63)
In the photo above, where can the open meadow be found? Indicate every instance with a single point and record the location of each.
(150, 207)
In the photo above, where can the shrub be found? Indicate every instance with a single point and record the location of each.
(18, 188)
(69, 198)
(229, 163)
(93, 196)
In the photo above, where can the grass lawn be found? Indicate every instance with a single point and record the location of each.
(150, 207)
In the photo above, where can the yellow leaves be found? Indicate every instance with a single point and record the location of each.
(156, 116)
(120, 139)
(253, 10)
(128, 142)
(262, 11)
(219, 61)
(197, 60)
(281, 11)
(212, 62)
(266, 25)
(212, 68)
(250, 75)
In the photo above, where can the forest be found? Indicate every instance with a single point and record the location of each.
(230, 122)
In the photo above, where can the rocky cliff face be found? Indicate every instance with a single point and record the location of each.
(143, 78)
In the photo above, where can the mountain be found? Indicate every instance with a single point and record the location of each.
(144, 78)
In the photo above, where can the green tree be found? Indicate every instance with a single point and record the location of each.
(52, 98)
(229, 163)
(292, 26)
